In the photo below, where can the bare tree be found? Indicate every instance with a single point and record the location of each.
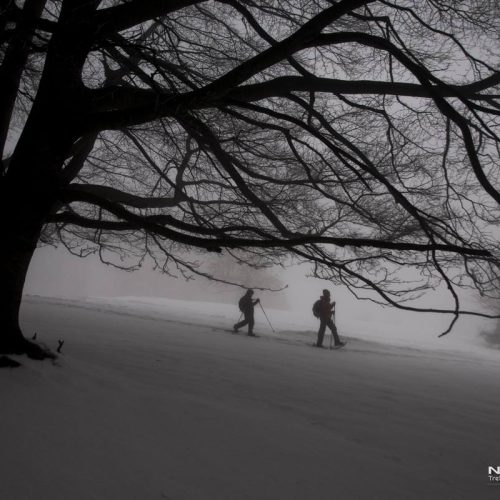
(358, 135)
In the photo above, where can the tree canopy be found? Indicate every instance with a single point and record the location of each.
(360, 136)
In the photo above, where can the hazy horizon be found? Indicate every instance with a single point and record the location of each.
(55, 272)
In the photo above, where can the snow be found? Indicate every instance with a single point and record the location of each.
(152, 399)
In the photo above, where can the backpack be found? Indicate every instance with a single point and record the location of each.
(241, 304)
(316, 309)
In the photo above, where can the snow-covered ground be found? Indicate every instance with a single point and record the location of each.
(152, 399)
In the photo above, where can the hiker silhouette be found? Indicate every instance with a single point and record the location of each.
(246, 305)
(324, 309)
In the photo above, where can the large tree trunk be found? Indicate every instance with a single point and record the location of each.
(16, 252)
(28, 193)
(15, 256)
(29, 186)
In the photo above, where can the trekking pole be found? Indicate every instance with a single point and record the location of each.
(334, 322)
(274, 331)
(234, 326)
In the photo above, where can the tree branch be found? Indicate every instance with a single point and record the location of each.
(132, 13)
(154, 225)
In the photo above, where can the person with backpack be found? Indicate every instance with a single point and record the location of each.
(324, 310)
(246, 305)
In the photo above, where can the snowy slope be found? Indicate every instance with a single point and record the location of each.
(149, 401)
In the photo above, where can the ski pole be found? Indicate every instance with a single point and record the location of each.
(274, 331)
(334, 322)
(234, 326)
